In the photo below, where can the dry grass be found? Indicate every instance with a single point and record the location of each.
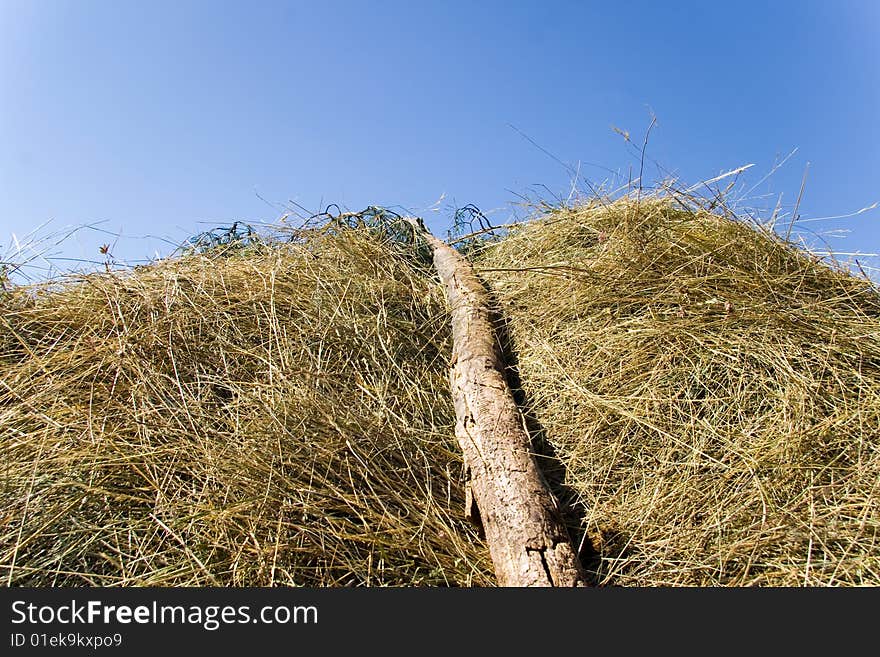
(266, 416)
(280, 415)
(712, 392)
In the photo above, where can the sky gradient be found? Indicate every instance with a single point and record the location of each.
(169, 118)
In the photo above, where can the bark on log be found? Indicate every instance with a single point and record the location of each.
(527, 539)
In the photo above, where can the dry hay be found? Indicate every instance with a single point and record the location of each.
(279, 414)
(712, 393)
(249, 417)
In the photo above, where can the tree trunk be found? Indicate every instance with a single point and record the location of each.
(527, 539)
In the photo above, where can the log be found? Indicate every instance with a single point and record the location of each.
(527, 539)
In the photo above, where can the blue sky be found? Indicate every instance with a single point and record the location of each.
(168, 118)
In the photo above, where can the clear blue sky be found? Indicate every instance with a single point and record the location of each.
(168, 118)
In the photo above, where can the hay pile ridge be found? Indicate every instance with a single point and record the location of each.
(712, 394)
(705, 397)
(244, 417)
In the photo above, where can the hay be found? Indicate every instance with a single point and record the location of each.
(247, 417)
(711, 392)
(278, 413)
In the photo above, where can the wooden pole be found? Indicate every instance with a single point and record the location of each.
(527, 539)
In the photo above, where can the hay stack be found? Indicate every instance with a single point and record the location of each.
(712, 393)
(708, 395)
(266, 416)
